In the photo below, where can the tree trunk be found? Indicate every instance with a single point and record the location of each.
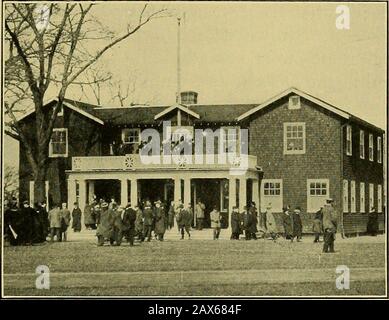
(40, 184)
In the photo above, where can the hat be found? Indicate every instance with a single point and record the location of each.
(329, 199)
(158, 201)
(104, 205)
(25, 202)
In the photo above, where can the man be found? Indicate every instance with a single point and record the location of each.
(159, 218)
(65, 216)
(148, 220)
(235, 223)
(44, 219)
(287, 221)
(117, 214)
(185, 222)
(200, 207)
(372, 223)
(171, 216)
(104, 228)
(89, 221)
(254, 221)
(55, 223)
(246, 223)
(271, 226)
(76, 218)
(139, 228)
(177, 211)
(297, 224)
(27, 228)
(330, 223)
(318, 225)
(129, 217)
(215, 222)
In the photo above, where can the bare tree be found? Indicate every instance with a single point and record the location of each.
(10, 182)
(48, 47)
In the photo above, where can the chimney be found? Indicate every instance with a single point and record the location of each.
(189, 97)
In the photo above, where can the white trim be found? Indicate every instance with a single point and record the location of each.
(353, 208)
(345, 196)
(84, 113)
(31, 193)
(362, 144)
(349, 138)
(310, 197)
(70, 106)
(379, 150)
(301, 94)
(287, 152)
(65, 155)
(371, 146)
(177, 106)
(362, 197)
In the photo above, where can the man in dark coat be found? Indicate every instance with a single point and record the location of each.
(37, 232)
(27, 228)
(159, 218)
(44, 218)
(372, 222)
(65, 221)
(287, 221)
(139, 228)
(117, 223)
(318, 225)
(246, 218)
(76, 218)
(104, 228)
(148, 220)
(330, 223)
(297, 224)
(235, 224)
(253, 221)
(129, 218)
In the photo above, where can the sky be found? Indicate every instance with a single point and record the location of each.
(236, 52)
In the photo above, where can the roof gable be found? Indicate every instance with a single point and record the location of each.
(177, 106)
(300, 93)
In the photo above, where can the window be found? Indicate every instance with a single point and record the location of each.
(371, 147)
(345, 196)
(294, 138)
(362, 198)
(294, 103)
(352, 195)
(379, 198)
(317, 192)
(379, 153)
(230, 138)
(362, 144)
(59, 143)
(271, 192)
(131, 136)
(371, 196)
(181, 133)
(349, 145)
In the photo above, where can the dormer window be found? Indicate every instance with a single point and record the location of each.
(131, 136)
(294, 103)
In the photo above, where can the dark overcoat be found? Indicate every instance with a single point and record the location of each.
(318, 222)
(297, 225)
(287, 221)
(159, 216)
(139, 221)
(88, 216)
(76, 222)
(105, 227)
(235, 222)
(148, 216)
(129, 218)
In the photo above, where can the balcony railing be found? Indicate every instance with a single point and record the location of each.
(136, 162)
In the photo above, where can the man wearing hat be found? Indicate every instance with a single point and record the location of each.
(104, 229)
(235, 224)
(318, 225)
(27, 216)
(65, 216)
(159, 218)
(55, 223)
(148, 220)
(330, 222)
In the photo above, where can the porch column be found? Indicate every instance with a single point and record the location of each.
(91, 190)
(231, 195)
(134, 192)
(187, 191)
(177, 190)
(123, 192)
(71, 193)
(82, 188)
(242, 193)
(255, 192)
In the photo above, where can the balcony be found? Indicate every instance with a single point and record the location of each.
(191, 162)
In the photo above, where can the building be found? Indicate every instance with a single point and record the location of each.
(300, 150)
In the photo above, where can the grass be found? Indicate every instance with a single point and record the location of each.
(196, 267)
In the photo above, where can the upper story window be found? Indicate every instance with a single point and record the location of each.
(230, 139)
(349, 145)
(59, 143)
(294, 103)
(182, 133)
(294, 138)
(131, 136)
(371, 147)
(379, 152)
(362, 144)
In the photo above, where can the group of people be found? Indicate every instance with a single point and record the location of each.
(27, 225)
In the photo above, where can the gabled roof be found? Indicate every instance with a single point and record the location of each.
(317, 101)
(177, 106)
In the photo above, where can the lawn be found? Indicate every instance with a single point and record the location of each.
(196, 267)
